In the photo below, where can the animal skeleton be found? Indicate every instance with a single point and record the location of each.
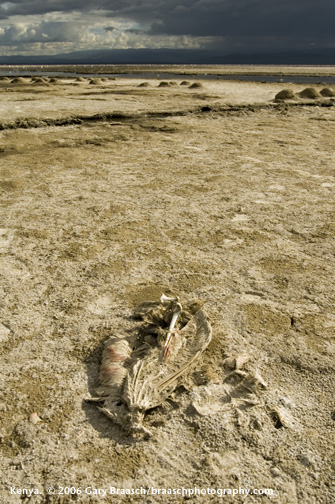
(140, 373)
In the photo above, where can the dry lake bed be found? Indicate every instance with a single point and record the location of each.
(115, 191)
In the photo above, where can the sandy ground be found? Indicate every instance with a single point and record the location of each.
(215, 193)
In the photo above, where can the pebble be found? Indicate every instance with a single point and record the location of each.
(275, 471)
(34, 418)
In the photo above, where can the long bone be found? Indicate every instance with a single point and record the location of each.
(175, 315)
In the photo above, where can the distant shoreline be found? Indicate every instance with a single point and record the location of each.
(255, 73)
(219, 70)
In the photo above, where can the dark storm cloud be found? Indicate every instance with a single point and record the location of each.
(250, 22)
(252, 18)
(22, 7)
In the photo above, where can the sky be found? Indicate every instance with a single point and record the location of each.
(33, 27)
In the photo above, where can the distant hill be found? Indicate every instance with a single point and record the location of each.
(174, 56)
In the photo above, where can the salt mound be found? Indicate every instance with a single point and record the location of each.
(327, 92)
(309, 93)
(285, 94)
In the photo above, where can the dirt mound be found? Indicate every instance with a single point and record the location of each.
(95, 81)
(328, 92)
(80, 79)
(39, 80)
(164, 84)
(4, 79)
(195, 85)
(185, 83)
(18, 80)
(309, 93)
(285, 94)
(144, 84)
(54, 80)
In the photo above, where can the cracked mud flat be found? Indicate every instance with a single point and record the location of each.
(235, 206)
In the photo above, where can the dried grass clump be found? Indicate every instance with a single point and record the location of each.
(144, 84)
(80, 79)
(4, 79)
(285, 94)
(195, 85)
(164, 84)
(309, 93)
(54, 80)
(95, 81)
(18, 80)
(185, 83)
(327, 92)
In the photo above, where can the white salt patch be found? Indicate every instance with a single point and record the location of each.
(240, 218)
(100, 305)
(6, 236)
(4, 333)
(277, 187)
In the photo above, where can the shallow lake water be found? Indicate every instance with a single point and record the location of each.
(297, 79)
